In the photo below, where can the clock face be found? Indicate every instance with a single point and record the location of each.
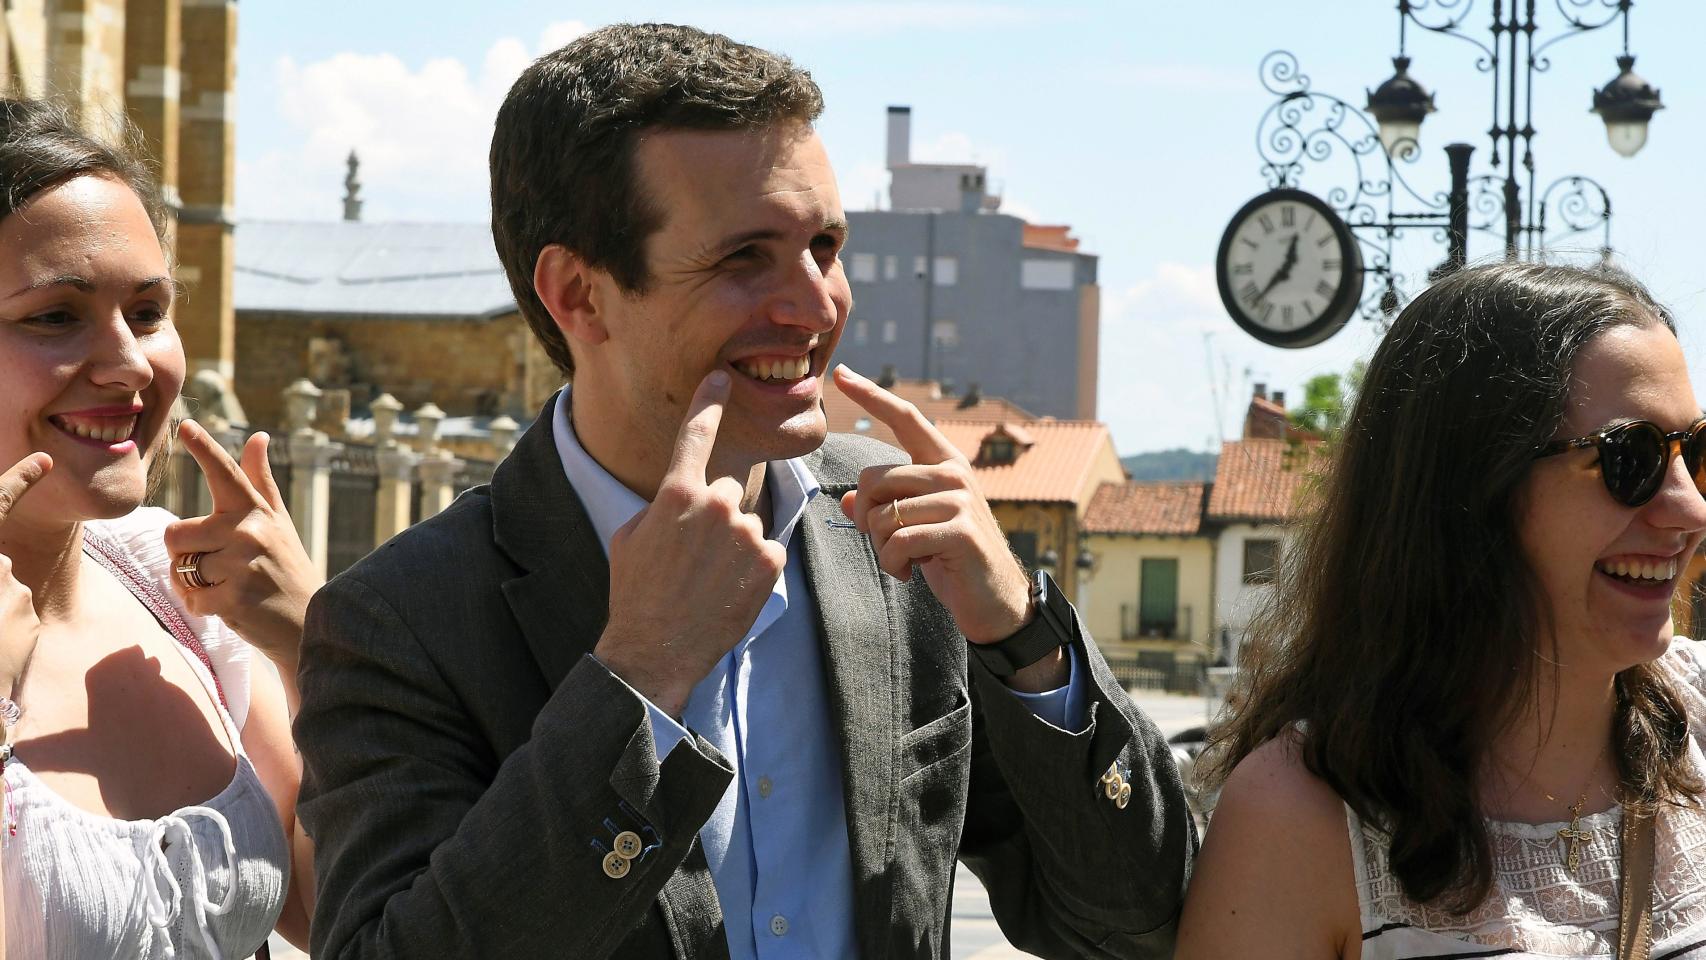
(1290, 271)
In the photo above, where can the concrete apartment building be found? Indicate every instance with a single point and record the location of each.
(170, 66)
(949, 289)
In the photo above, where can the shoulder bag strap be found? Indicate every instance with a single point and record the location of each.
(1635, 923)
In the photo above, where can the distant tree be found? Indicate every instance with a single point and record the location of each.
(1327, 401)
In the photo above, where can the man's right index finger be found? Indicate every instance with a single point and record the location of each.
(16, 482)
(699, 431)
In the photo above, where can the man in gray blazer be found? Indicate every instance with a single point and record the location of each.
(689, 678)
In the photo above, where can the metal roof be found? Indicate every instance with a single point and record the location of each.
(380, 269)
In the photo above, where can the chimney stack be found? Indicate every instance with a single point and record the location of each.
(1279, 399)
(900, 136)
(973, 397)
(887, 377)
(1261, 391)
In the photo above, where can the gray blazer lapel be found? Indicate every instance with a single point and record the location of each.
(859, 659)
(561, 603)
(563, 599)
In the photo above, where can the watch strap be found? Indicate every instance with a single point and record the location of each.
(1049, 630)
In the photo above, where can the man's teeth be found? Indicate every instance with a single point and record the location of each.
(106, 430)
(787, 369)
(1641, 569)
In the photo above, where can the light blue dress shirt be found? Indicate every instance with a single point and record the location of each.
(777, 843)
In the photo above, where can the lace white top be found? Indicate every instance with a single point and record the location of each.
(1537, 908)
(205, 881)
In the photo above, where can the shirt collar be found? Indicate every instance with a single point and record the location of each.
(609, 504)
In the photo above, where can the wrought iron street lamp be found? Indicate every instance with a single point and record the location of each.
(1304, 127)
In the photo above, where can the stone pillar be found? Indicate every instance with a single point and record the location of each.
(438, 482)
(428, 421)
(85, 59)
(396, 470)
(26, 39)
(206, 182)
(153, 49)
(310, 471)
(504, 430)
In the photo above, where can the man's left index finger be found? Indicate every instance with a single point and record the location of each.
(917, 435)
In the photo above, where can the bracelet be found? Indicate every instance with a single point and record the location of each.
(10, 714)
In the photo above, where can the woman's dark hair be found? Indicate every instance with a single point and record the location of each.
(562, 153)
(1397, 690)
(41, 147)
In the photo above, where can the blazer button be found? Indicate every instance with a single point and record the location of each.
(1112, 788)
(1113, 772)
(628, 844)
(615, 867)
(1124, 796)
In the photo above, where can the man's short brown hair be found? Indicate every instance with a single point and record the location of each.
(562, 156)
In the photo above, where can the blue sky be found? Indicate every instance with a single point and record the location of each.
(1133, 122)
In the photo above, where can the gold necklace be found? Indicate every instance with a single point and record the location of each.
(1572, 835)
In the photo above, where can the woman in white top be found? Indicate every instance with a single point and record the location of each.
(1465, 688)
(150, 778)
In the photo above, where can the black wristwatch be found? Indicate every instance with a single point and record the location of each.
(1049, 630)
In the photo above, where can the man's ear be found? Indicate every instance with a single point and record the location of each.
(566, 286)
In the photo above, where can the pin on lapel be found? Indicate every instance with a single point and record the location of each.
(840, 524)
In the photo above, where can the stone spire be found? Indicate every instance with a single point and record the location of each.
(352, 189)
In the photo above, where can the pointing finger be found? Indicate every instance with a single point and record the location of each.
(230, 488)
(258, 469)
(16, 482)
(918, 437)
(699, 431)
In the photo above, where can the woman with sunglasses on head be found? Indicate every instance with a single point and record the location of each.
(149, 775)
(1467, 729)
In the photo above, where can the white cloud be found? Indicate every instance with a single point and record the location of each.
(422, 133)
(1175, 371)
(866, 19)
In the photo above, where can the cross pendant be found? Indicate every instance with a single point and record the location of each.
(1574, 835)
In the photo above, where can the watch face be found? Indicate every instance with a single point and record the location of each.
(1290, 271)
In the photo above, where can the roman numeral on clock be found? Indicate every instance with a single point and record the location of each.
(1325, 289)
(1250, 295)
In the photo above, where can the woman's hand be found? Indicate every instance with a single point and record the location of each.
(19, 625)
(259, 577)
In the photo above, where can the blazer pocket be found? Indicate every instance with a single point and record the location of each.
(938, 740)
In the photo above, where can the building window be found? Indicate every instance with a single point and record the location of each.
(947, 271)
(1158, 597)
(862, 267)
(1261, 560)
(861, 331)
(946, 333)
(891, 267)
(1023, 543)
(920, 268)
(888, 331)
(997, 449)
(1046, 275)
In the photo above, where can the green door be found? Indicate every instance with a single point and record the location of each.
(1158, 597)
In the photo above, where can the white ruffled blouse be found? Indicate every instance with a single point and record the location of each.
(205, 881)
(1538, 908)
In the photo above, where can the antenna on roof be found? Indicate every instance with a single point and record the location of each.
(352, 189)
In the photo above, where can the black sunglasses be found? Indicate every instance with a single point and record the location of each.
(1634, 456)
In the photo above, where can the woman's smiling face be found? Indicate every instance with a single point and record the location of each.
(90, 361)
(1608, 571)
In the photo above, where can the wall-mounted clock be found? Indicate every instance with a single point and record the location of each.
(1290, 271)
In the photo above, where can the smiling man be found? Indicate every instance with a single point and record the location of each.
(693, 678)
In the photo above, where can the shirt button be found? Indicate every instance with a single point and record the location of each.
(779, 925)
(764, 786)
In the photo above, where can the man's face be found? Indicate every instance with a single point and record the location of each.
(745, 277)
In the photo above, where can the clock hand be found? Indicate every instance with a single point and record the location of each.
(1285, 268)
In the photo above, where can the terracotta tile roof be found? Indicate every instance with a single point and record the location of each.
(845, 416)
(1259, 480)
(1154, 508)
(1056, 467)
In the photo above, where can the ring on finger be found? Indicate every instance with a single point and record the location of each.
(188, 569)
(898, 521)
